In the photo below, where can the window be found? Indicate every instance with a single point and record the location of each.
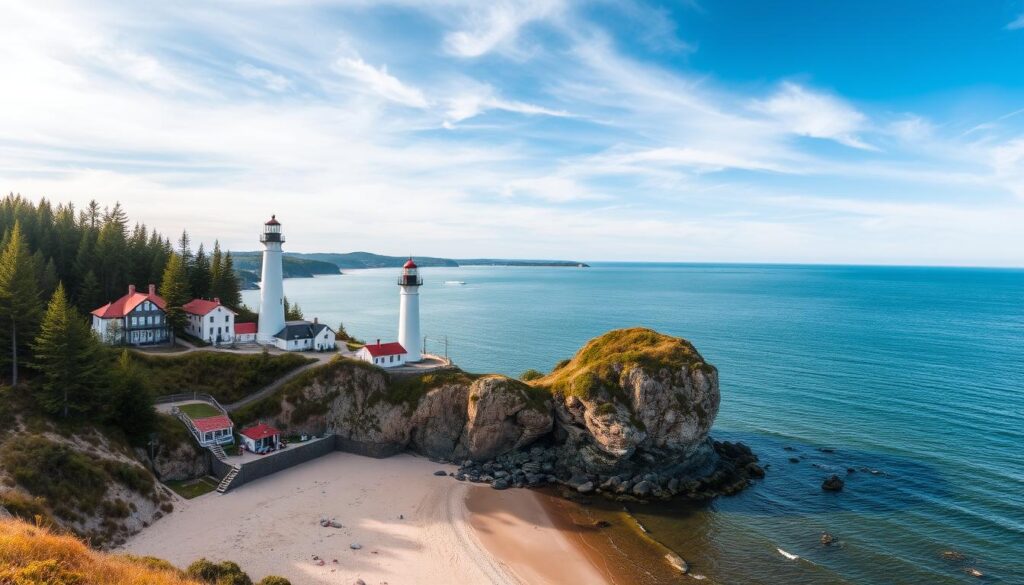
(135, 321)
(211, 318)
(227, 318)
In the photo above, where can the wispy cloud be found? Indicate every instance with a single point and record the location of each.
(1016, 24)
(266, 77)
(497, 25)
(377, 81)
(818, 115)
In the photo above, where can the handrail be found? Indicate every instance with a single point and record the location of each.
(181, 396)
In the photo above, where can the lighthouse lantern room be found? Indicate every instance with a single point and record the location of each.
(272, 284)
(409, 312)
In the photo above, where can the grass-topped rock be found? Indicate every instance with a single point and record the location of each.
(634, 398)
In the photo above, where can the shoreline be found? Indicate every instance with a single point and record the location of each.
(410, 527)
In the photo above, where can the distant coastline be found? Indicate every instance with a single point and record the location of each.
(308, 265)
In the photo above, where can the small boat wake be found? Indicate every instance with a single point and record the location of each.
(460, 282)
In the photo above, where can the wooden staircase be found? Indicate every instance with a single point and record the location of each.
(218, 452)
(225, 483)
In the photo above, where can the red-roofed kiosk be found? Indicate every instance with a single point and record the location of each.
(261, 438)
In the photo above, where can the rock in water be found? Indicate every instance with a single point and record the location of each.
(586, 487)
(832, 484)
(440, 473)
(952, 555)
(632, 397)
(827, 539)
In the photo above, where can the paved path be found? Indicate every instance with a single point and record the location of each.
(320, 359)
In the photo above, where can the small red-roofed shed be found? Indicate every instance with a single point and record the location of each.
(261, 438)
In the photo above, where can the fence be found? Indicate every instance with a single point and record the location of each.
(183, 396)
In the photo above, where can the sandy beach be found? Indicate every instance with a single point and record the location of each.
(413, 527)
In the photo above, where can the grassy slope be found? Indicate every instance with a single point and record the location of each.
(33, 555)
(227, 377)
(199, 410)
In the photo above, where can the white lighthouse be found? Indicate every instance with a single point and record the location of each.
(272, 285)
(409, 312)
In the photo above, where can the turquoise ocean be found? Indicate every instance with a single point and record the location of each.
(911, 377)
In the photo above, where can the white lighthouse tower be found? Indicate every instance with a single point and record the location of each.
(272, 285)
(409, 312)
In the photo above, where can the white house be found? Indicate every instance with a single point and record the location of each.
(261, 438)
(245, 332)
(305, 336)
(385, 355)
(134, 319)
(210, 321)
(212, 430)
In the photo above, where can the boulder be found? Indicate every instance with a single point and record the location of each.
(586, 488)
(832, 484)
(642, 489)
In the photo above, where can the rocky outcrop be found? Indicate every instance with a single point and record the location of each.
(180, 462)
(633, 408)
(448, 415)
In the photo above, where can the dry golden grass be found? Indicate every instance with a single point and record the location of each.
(31, 555)
(594, 367)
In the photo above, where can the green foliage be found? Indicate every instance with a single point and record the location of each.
(530, 374)
(175, 289)
(223, 573)
(292, 312)
(69, 358)
(20, 305)
(129, 401)
(60, 475)
(225, 376)
(274, 580)
(28, 508)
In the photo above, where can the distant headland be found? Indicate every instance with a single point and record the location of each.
(307, 265)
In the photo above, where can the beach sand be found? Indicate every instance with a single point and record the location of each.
(414, 527)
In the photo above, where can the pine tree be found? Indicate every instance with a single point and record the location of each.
(292, 312)
(216, 272)
(229, 291)
(68, 356)
(129, 401)
(200, 278)
(89, 295)
(175, 290)
(19, 299)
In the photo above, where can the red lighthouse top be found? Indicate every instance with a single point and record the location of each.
(273, 221)
(409, 277)
(409, 264)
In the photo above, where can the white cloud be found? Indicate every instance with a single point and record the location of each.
(807, 113)
(1017, 23)
(379, 82)
(469, 103)
(266, 77)
(497, 24)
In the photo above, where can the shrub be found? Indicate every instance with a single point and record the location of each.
(274, 580)
(66, 478)
(223, 573)
(225, 376)
(530, 374)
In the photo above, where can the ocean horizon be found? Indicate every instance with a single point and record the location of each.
(903, 380)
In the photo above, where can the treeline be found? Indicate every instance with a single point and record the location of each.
(58, 263)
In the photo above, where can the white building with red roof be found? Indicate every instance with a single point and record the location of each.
(245, 332)
(137, 318)
(212, 430)
(210, 321)
(385, 355)
(261, 438)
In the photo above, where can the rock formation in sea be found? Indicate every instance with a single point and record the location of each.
(630, 414)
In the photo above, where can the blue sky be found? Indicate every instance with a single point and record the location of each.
(762, 131)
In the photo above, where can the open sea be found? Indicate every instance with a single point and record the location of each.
(913, 376)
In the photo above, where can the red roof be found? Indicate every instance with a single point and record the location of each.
(127, 304)
(245, 328)
(260, 431)
(409, 263)
(273, 221)
(201, 306)
(212, 423)
(379, 349)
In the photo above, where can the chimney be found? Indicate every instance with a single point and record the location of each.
(316, 320)
(378, 342)
(152, 289)
(131, 289)
(216, 300)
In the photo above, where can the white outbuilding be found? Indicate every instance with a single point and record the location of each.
(305, 336)
(385, 355)
(210, 321)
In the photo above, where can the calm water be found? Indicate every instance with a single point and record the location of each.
(916, 373)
